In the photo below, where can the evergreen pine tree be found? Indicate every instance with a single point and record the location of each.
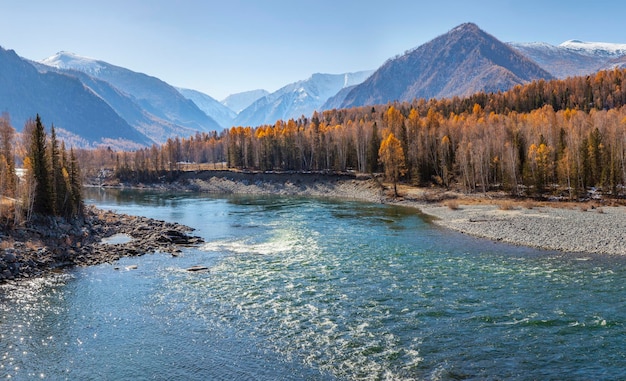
(75, 188)
(43, 203)
(57, 188)
(64, 196)
(7, 133)
(372, 152)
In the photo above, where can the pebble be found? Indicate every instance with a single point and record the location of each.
(564, 229)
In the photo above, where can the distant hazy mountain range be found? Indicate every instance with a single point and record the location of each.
(92, 102)
(573, 57)
(297, 99)
(218, 111)
(238, 102)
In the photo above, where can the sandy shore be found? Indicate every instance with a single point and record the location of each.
(567, 228)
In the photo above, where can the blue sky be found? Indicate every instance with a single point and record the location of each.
(229, 46)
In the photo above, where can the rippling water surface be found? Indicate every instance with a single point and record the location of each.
(306, 289)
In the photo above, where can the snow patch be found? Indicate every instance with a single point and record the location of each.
(602, 49)
(68, 60)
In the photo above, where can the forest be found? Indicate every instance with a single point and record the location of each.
(49, 183)
(547, 138)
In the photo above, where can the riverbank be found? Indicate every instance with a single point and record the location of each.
(566, 227)
(49, 244)
(341, 186)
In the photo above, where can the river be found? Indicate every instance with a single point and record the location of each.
(312, 289)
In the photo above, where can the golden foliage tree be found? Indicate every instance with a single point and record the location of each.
(564, 136)
(392, 157)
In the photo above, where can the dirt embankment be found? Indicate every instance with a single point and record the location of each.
(346, 186)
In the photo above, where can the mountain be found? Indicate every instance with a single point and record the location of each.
(616, 63)
(238, 102)
(298, 98)
(125, 106)
(597, 49)
(573, 57)
(79, 115)
(152, 94)
(336, 100)
(461, 62)
(210, 106)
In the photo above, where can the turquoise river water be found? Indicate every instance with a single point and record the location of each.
(310, 289)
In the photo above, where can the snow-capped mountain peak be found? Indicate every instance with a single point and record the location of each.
(298, 98)
(601, 49)
(71, 61)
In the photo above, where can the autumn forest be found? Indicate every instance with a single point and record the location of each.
(547, 138)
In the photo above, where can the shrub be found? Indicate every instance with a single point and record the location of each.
(506, 205)
(453, 205)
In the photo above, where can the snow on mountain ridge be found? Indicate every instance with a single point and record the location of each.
(68, 60)
(298, 98)
(604, 49)
(573, 57)
(153, 95)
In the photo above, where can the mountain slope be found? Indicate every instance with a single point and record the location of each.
(297, 99)
(125, 106)
(461, 62)
(616, 63)
(150, 93)
(78, 113)
(210, 106)
(573, 57)
(238, 102)
(336, 100)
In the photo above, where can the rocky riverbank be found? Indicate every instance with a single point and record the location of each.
(568, 228)
(49, 244)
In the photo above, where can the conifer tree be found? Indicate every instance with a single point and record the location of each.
(57, 191)
(372, 154)
(75, 185)
(43, 202)
(7, 133)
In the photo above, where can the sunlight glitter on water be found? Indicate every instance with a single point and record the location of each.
(309, 289)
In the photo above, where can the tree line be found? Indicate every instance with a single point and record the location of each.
(548, 137)
(50, 181)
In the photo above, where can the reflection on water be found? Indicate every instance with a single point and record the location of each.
(116, 239)
(310, 289)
